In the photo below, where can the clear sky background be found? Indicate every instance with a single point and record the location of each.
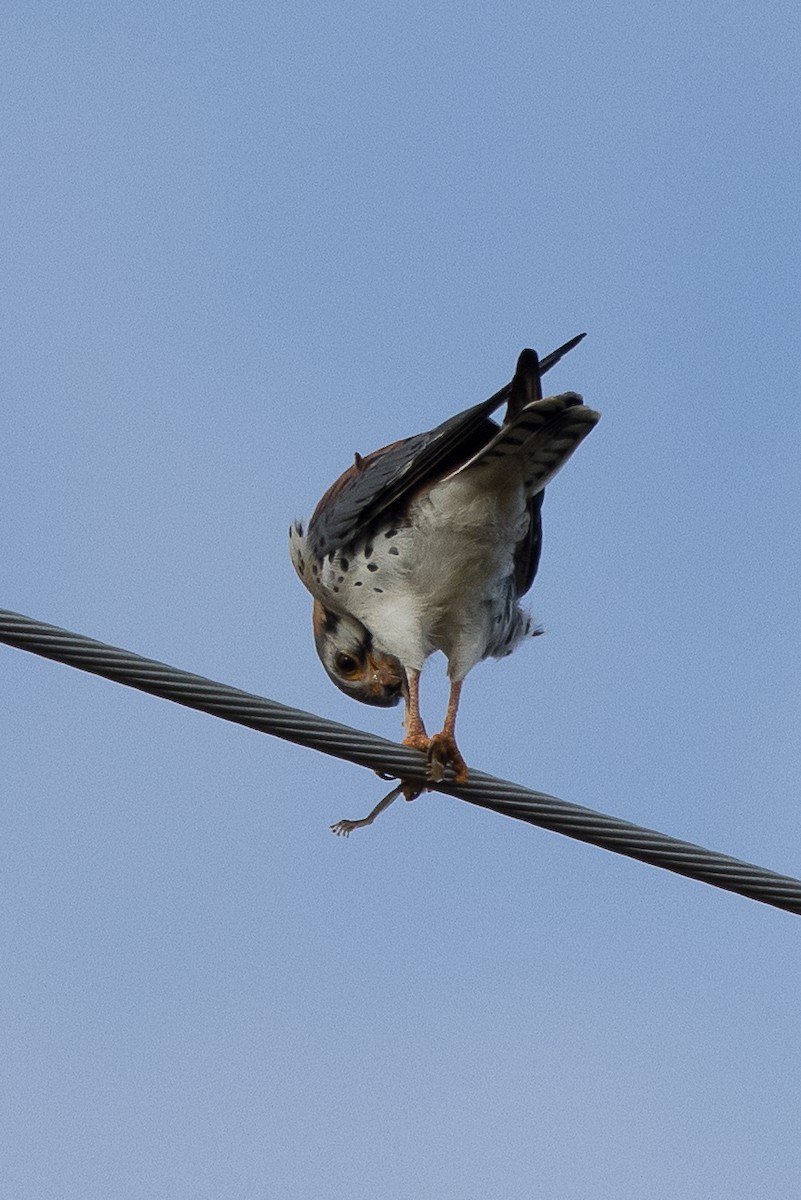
(239, 242)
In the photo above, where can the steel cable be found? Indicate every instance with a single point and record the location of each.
(396, 761)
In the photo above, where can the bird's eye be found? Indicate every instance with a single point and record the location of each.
(346, 664)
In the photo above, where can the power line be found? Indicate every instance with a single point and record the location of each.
(396, 761)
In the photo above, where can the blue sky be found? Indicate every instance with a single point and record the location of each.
(239, 243)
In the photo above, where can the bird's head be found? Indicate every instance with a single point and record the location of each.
(351, 662)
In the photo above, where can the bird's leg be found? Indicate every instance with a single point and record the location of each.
(416, 735)
(442, 748)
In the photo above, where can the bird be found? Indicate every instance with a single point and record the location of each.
(429, 544)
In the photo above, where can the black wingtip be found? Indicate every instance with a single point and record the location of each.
(553, 358)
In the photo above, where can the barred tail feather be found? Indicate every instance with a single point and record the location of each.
(543, 434)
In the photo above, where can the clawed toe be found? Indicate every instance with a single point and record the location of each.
(443, 752)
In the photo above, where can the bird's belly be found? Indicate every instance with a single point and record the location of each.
(467, 534)
(467, 542)
(453, 584)
(444, 580)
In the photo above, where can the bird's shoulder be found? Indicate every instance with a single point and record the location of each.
(382, 483)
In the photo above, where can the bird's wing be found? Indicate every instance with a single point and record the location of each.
(384, 479)
(529, 549)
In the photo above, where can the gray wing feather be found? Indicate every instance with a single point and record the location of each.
(388, 477)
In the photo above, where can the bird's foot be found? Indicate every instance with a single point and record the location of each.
(418, 740)
(443, 752)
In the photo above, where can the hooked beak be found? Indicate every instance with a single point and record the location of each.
(385, 674)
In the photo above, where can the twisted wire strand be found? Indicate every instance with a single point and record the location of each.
(396, 761)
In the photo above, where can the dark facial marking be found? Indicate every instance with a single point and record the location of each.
(331, 621)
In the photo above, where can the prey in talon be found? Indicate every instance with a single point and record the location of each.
(429, 544)
(345, 828)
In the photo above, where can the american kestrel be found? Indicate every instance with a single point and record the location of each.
(429, 544)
